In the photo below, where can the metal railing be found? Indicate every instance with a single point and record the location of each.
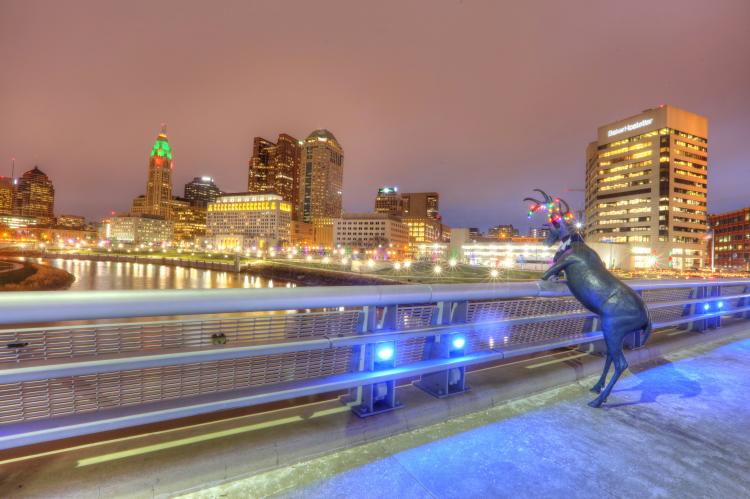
(67, 379)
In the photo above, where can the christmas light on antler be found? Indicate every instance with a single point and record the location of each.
(557, 209)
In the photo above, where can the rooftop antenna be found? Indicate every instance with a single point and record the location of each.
(13, 170)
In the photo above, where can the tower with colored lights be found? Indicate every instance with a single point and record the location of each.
(159, 186)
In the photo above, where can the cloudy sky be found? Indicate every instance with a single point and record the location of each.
(478, 100)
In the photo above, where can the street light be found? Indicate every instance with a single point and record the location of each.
(712, 236)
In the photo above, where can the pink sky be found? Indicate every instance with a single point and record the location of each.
(480, 101)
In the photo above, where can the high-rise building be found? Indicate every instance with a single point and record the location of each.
(321, 177)
(389, 201)
(189, 220)
(159, 185)
(6, 196)
(201, 190)
(275, 168)
(730, 247)
(421, 205)
(35, 196)
(244, 221)
(646, 186)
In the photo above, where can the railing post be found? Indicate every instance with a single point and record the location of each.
(379, 397)
(451, 381)
(697, 309)
(634, 340)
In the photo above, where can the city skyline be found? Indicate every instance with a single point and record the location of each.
(407, 120)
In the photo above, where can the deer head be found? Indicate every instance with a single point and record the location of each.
(559, 216)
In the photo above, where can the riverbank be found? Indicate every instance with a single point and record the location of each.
(267, 269)
(34, 277)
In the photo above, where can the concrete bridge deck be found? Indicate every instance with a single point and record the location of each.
(679, 429)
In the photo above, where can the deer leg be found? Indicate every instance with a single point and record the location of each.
(614, 348)
(597, 388)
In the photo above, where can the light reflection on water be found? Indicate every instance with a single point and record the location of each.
(102, 276)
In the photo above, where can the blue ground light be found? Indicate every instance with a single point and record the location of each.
(681, 429)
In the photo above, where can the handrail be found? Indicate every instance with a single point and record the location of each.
(53, 306)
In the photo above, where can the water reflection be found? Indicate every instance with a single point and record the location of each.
(101, 276)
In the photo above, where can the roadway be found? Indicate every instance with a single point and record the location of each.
(679, 429)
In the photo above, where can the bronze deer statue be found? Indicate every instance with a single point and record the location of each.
(620, 309)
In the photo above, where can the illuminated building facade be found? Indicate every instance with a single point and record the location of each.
(6, 196)
(275, 169)
(159, 185)
(502, 232)
(731, 244)
(389, 201)
(370, 230)
(35, 196)
(423, 230)
(201, 190)
(302, 234)
(137, 229)
(189, 220)
(243, 221)
(321, 177)
(646, 186)
(539, 232)
(71, 221)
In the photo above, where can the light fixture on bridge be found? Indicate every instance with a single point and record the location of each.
(378, 397)
(450, 381)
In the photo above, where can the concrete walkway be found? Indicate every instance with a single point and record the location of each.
(680, 429)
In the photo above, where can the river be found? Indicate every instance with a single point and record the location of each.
(102, 276)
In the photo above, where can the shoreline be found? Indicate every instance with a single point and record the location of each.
(26, 276)
(304, 276)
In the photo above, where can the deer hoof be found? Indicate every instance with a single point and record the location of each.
(595, 403)
(596, 388)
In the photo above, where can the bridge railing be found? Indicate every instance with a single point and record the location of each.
(168, 354)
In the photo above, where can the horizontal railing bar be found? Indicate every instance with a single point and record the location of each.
(28, 433)
(52, 306)
(38, 370)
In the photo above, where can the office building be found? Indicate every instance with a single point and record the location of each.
(646, 186)
(370, 230)
(7, 191)
(244, 221)
(729, 240)
(421, 205)
(321, 177)
(538, 232)
(274, 168)
(35, 196)
(71, 221)
(137, 229)
(423, 230)
(200, 191)
(189, 221)
(389, 201)
(502, 232)
(159, 185)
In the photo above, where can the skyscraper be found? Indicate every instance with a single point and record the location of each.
(322, 176)
(6, 196)
(35, 196)
(389, 201)
(646, 185)
(201, 190)
(159, 185)
(275, 168)
(421, 205)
